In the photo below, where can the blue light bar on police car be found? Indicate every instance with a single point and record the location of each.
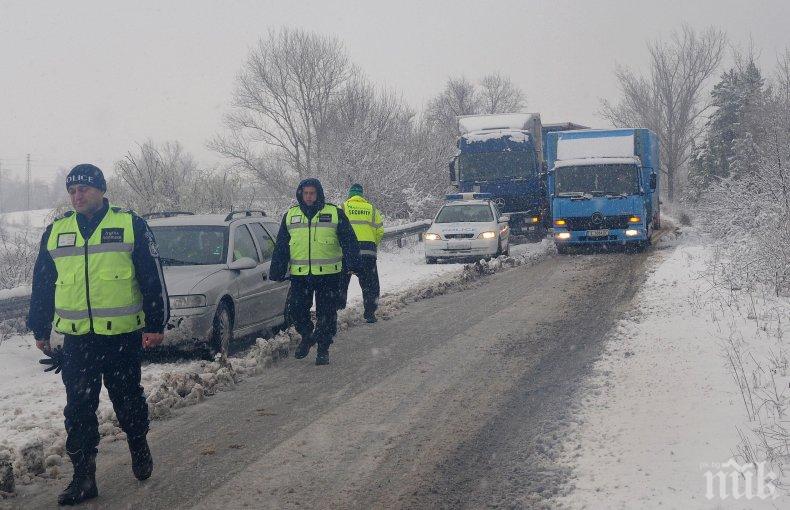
(468, 196)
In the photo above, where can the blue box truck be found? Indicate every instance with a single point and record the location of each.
(603, 186)
(503, 154)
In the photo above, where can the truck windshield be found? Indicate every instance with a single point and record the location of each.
(489, 166)
(472, 213)
(192, 245)
(597, 180)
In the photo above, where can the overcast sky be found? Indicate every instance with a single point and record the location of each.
(86, 81)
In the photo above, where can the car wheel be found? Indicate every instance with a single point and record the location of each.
(222, 332)
(430, 260)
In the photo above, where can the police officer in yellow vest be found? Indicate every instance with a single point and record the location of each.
(369, 228)
(314, 244)
(97, 280)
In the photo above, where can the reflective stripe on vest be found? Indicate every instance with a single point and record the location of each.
(96, 289)
(314, 246)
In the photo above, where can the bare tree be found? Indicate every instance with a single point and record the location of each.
(498, 94)
(282, 104)
(459, 97)
(165, 177)
(669, 99)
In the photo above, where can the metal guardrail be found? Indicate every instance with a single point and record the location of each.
(400, 232)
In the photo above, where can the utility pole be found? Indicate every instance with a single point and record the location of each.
(27, 172)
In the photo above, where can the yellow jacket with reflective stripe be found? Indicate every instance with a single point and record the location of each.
(367, 223)
(96, 288)
(314, 246)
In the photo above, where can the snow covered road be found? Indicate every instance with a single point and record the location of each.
(459, 400)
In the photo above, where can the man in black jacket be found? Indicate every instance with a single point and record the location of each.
(98, 278)
(315, 243)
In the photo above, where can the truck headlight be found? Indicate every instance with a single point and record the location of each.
(631, 232)
(188, 301)
(430, 236)
(564, 235)
(487, 235)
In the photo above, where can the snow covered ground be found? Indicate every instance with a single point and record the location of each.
(21, 220)
(659, 423)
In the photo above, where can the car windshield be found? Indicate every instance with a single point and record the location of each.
(465, 213)
(191, 245)
(487, 166)
(596, 180)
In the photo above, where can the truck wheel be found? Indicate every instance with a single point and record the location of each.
(222, 332)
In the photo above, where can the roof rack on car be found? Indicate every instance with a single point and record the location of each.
(165, 214)
(247, 213)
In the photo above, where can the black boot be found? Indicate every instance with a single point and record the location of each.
(370, 317)
(83, 483)
(303, 349)
(142, 463)
(322, 357)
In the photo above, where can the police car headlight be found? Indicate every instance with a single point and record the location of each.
(188, 301)
(487, 235)
(430, 236)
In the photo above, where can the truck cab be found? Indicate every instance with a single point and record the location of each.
(503, 155)
(603, 186)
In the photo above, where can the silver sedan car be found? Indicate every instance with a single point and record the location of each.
(216, 269)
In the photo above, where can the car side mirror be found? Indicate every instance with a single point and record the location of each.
(504, 219)
(243, 263)
(653, 182)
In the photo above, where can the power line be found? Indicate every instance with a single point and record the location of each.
(28, 182)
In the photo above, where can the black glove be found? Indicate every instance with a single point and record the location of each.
(55, 360)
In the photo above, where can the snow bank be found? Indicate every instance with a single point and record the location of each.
(662, 413)
(22, 290)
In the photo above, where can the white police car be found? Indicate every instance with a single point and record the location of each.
(468, 225)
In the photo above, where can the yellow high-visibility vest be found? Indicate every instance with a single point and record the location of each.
(96, 288)
(366, 222)
(314, 246)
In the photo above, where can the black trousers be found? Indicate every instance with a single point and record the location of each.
(87, 360)
(368, 275)
(326, 291)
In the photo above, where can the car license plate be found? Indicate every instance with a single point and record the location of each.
(598, 233)
(459, 245)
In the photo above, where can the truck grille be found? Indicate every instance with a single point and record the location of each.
(586, 223)
(459, 236)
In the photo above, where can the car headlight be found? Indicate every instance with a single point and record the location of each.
(534, 219)
(430, 236)
(487, 235)
(564, 235)
(631, 232)
(188, 301)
